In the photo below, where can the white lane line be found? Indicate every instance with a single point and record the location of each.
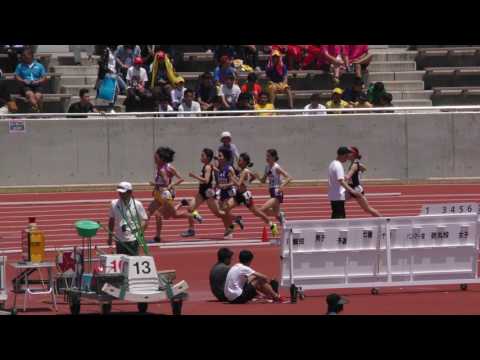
(94, 201)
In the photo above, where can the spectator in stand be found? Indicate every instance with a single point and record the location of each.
(314, 54)
(7, 105)
(163, 74)
(206, 91)
(177, 93)
(252, 87)
(229, 92)
(351, 95)
(164, 105)
(243, 283)
(363, 102)
(375, 92)
(277, 74)
(218, 274)
(386, 101)
(108, 65)
(137, 95)
(294, 54)
(125, 55)
(225, 50)
(315, 104)
(358, 57)
(83, 106)
(326, 58)
(32, 77)
(223, 70)
(336, 101)
(264, 104)
(217, 105)
(188, 104)
(249, 55)
(245, 102)
(14, 53)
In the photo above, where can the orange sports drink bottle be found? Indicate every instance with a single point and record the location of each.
(33, 243)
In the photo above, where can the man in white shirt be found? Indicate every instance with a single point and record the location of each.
(127, 221)
(137, 75)
(337, 184)
(243, 283)
(189, 104)
(315, 104)
(229, 92)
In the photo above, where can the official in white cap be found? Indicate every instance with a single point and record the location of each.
(226, 139)
(127, 220)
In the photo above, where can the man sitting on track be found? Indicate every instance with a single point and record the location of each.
(219, 272)
(128, 219)
(243, 283)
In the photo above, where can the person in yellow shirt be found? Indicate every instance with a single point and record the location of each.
(264, 104)
(336, 101)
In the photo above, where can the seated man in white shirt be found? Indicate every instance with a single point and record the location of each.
(315, 104)
(127, 221)
(137, 95)
(243, 283)
(188, 104)
(229, 93)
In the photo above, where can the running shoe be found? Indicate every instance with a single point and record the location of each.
(197, 216)
(229, 231)
(274, 229)
(281, 300)
(188, 233)
(184, 202)
(228, 237)
(238, 220)
(282, 218)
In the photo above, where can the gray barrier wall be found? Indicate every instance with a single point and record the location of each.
(103, 151)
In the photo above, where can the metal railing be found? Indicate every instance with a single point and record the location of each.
(249, 113)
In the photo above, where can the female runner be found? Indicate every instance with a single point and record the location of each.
(353, 179)
(164, 191)
(243, 196)
(206, 192)
(274, 173)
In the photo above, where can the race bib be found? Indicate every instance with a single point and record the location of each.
(232, 192)
(247, 195)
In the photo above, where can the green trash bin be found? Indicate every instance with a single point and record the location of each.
(87, 228)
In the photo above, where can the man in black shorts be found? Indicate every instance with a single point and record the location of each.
(243, 283)
(219, 272)
(337, 184)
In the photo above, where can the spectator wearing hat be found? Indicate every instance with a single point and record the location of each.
(351, 95)
(335, 304)
(226, 139)
(162, 73)
(277, 74)
(137, 94)
(224, 70)
(229, 91)
(294, 54)
(188, 104)
(315, 105)
(264, 104)
(218, 273)
(177, 93)
(336, 101)
(206, 91)
(337, 185)
(127, 220)
(252, 87)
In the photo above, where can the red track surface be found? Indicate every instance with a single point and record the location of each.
(193, 264)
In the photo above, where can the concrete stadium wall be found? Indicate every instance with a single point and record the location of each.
(104, 151)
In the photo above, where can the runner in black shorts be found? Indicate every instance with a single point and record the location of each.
(245, 197)
(353, 179)
(206, 192)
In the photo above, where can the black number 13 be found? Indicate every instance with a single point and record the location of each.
(146, 267)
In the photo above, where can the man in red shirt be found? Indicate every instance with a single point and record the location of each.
(252, 87)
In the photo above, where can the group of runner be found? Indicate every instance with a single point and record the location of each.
(223, 184)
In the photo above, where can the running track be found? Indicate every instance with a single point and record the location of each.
(192, 258)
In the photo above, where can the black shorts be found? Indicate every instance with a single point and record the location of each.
(226, 194)
(206, 192)
(248, 293)
(276, 194)
(338, 209)
(245, 198)
(34, 88)
(129, 248)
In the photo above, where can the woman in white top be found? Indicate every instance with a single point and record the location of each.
(274, 174)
